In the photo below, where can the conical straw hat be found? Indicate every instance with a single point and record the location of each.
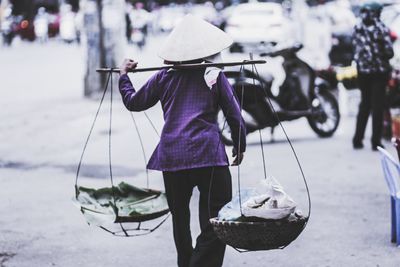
(194, 38)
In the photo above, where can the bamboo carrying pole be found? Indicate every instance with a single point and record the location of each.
(188, 66)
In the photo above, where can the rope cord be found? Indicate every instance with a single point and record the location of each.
(143, 150)
(109, 142)
(212, 175)
(238, 149)
(109, 154)
(90, 133)
(254, 69)
(138, 228)
(216, 153)
(123, 230)
(292, 148)
(151, 123)
(259, 131)
(290, 143)
(262, 153)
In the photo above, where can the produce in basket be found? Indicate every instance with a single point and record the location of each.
(268, 202)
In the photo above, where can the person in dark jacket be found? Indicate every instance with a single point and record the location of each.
(190, 152)
(373, 49)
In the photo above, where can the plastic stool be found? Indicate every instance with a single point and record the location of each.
(393, 182)
(395, 207)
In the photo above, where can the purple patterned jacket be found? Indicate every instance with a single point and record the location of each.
(190, 137)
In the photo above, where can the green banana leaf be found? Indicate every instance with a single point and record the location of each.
(123, 203)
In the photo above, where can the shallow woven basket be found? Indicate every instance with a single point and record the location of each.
(261, 235)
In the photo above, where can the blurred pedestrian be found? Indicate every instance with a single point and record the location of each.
(190, 152)
(373, 49)
(41, 25)
(128, 22)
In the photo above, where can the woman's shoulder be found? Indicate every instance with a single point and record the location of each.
(159, 76)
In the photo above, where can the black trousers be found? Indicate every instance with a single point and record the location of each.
(372, 88)
(209, 250)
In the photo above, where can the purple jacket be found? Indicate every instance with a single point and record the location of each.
(190, 137)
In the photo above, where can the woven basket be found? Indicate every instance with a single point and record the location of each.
(259, 235)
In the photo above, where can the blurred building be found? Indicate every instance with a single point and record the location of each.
(28, 8)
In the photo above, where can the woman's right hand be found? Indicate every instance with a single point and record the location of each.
(127, 65)
(237, 157)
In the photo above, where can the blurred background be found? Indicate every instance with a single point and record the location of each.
(105, 30)
(49, 52)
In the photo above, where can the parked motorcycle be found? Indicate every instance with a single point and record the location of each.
(342, 51)
(302, 94)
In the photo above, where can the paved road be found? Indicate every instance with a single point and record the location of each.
(43, 127)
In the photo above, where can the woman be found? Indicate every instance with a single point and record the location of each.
(190, 152)
(373, 50)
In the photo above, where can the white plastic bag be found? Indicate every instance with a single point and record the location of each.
(231, 211)
(271, 202)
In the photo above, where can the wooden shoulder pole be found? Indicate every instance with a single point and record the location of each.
(187, 66)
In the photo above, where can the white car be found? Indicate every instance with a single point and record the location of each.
(206, 12)
(341, 17)
(257, 25)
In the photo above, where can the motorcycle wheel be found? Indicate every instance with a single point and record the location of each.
(326, 116)
(224, 129)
